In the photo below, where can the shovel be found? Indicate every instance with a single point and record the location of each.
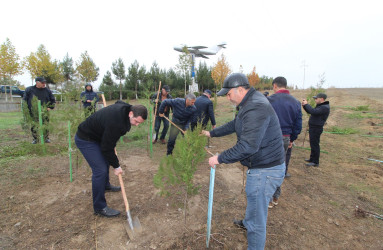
(134, 225)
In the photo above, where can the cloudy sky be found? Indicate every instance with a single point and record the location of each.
(343, 39)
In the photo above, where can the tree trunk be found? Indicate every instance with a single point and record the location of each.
(120, 91)
(185, 86)
(136, 91)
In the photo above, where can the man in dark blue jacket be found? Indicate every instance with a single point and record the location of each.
(96, 139)
(205, 110)
(162, 97)
(89, 99)
(259, 147)
(48, 101)
(289, 112)
(317, 120)
(183, 114)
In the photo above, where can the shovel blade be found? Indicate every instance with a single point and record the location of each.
(136, 228)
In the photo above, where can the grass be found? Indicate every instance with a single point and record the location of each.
(10, 120)
(344, 131)
(361, 108)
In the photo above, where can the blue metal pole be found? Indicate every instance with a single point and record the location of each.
(210, 204)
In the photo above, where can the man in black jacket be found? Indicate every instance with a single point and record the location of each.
(259, 147)
(157, 124)
(96, 138)
(317, 120)
(205, 110)
(89, 99)
(48, 101)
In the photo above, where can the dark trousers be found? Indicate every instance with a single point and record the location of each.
(315, 133)
(100, 170)
(286, 142)
(35, 128)
(173, 133)
(157, 125)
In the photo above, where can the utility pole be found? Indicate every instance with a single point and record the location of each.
(304, 65)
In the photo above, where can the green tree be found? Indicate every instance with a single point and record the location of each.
(68, 70)
(86, 68)
(10, 64)
(203, 76)
(107, 80)
(184, 64)
(132, 77)
(155, 75)
(118, 69)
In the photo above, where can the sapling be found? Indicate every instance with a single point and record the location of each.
(178, 170)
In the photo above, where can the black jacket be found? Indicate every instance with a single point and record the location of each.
(44, 95)
(167, 110)
(205, 110)
(319, 114)
(88, 95)
(181, 114)
(106, 126)
(259, 135)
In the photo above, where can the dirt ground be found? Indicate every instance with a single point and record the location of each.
(41, 209)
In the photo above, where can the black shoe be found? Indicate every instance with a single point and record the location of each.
(308, 160)
(34, 141)
(287, 175)
(107, 212)
(239, 224)
(112, 189)
(47, 140)
(312, 164)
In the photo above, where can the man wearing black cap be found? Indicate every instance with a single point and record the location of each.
(205, 110)
(163, 96)
(259, 147)
(47, 100)
(317, 120)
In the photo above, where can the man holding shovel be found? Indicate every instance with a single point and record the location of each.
(96, 138)
(183, 114)
(163, 96)
(259, 147)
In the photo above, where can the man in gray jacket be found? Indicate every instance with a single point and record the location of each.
(259, 147)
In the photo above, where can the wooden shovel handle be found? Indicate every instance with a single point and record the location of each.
(103, 100)
(174, 124)
(123, 192)
(155, 108)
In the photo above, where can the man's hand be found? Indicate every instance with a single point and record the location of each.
(161, 114)
(156, 101)
(291, 144)
(88, 101)
(48, 109)
(118, 171)
(304, 102)
(214, 126)
(206, 133)
(213, 161)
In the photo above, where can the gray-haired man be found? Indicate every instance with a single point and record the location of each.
(184, 113)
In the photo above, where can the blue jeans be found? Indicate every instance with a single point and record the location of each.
(100, 170)
(173, 133)
(157, 125)
(260, 186)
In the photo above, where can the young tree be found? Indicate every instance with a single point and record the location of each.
(10, 64)
(220, 70)
(253, 78)
(132, 77)
(185, 62)
(108, 86)
(155, 74)
(86, 68)
(118, 69)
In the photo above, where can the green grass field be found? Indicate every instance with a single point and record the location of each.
(10, 120)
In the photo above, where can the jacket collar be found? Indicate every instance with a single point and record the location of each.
(323, 103)
(247, 96)
(283, 91)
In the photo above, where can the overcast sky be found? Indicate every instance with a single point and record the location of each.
(343, 39)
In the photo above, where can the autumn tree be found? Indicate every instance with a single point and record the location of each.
(86, 68)
(41, 64)
(10, 64)
(184, 64)
(253, 78)
(118, 69)
(220, 70)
